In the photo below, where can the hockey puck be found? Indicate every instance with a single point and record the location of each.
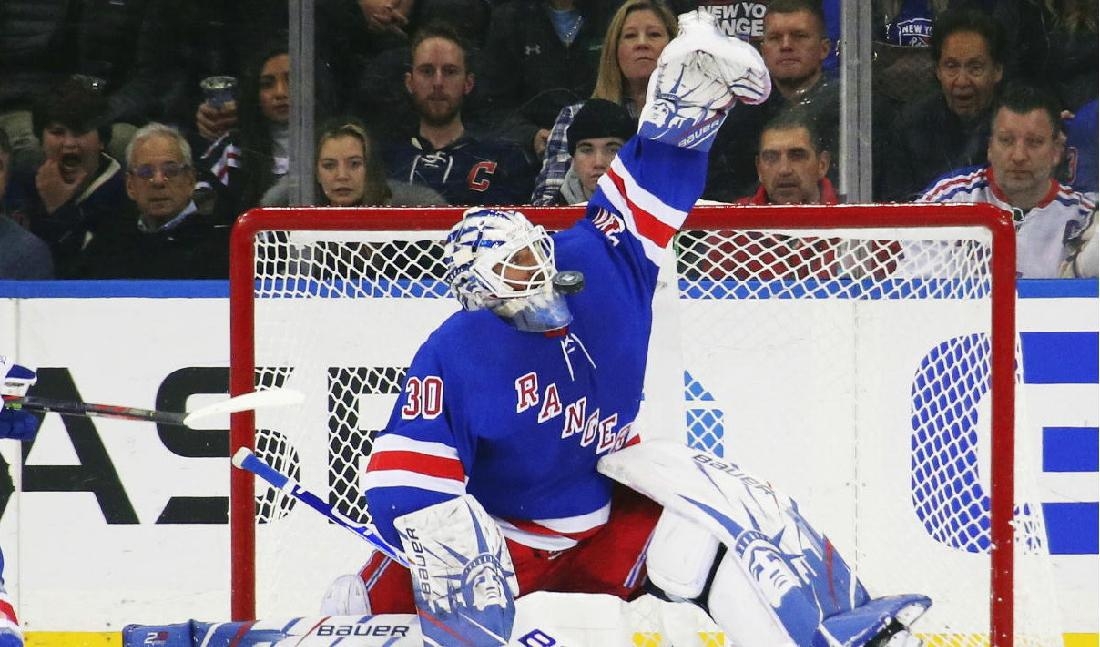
(568, 282)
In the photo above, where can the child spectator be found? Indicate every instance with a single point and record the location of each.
(598, 131)
(78, 186)
(116, 44)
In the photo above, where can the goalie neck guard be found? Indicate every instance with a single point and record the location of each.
(497, 259)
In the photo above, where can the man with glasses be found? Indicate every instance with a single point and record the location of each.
(948, 129)
(163, 235)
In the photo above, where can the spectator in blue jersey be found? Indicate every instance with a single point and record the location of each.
(599, 130)
(794, 46)
(485, 477)
(15, 424)
(464, 168)
(967, 47)
(636, 36)
(22, 254)
(540, 56)
(249, 160)
(1080, 170)
(1055, 225)
(78, 186)
(161, 235)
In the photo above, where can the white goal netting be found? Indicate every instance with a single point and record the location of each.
(859, 358)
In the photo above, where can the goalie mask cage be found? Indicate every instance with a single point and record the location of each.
(860, 358)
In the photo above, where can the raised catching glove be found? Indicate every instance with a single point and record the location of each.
(700, 75)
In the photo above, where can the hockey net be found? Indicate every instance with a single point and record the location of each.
(860, 358)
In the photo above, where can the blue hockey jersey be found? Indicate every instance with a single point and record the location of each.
(519, 419)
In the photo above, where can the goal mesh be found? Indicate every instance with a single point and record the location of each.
(857, 357)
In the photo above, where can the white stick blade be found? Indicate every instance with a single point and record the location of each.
(255, 400)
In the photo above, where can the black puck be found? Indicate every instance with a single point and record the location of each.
(568, 282)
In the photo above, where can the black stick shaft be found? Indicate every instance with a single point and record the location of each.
(69, 408)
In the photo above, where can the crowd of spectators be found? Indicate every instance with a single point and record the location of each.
(109, 144)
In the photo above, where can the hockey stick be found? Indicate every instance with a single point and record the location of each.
(250, 462)
(254, 400)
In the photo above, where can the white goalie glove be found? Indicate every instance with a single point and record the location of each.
(700, 75)
(17, 379)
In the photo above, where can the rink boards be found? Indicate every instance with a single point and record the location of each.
(117, 523)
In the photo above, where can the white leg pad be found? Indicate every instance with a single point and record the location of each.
(679, 560)
(735, 605)
(680, 556)
(346, 596)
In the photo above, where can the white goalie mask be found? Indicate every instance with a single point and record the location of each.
(497, 259)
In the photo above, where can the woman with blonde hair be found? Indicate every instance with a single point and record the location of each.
(635, 37)
(350, 173)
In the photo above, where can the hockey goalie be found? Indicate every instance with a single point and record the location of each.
(510, 464)
(511, 470)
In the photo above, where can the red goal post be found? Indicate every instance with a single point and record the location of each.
(315, 286)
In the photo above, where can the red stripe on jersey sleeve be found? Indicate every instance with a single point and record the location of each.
(8, 611)
(446, 468)
(649, 226)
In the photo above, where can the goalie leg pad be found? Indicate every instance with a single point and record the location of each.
(680, 557)
(723, 589)
(464, 582)
(787, 567)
